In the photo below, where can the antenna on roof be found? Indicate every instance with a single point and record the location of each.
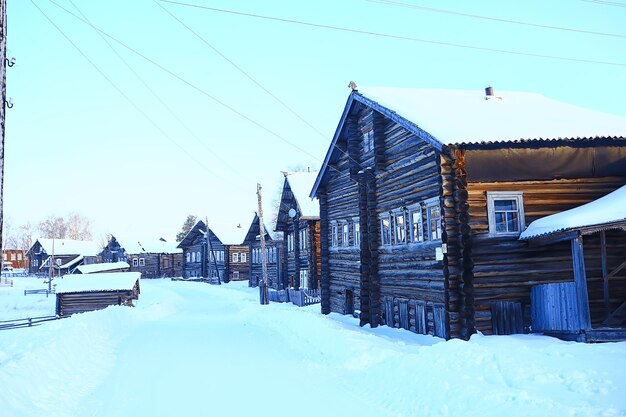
(352, 85)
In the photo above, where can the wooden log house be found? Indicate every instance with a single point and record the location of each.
(153, 258)
(299, 221)
(64, 255)
(424, 193)
(274, 255)
(81, 293)
(237, 252)
(198, 260)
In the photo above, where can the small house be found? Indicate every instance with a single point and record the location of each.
(274, 256)
(81, 293)
(236, 252)
(154, 258)
(424, 194)
(299, 220)
(199, 258)
(64, 255)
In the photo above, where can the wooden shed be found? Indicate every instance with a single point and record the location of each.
(81, 293)
(424, 193)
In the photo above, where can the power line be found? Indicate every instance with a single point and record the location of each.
(516, 22)
(606, 3)
(119, 90)
(398, 37)
(145, 84)
(247, 75)
(190, 84)
(241, 70)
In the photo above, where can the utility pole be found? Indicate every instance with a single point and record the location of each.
(265, 296)
(3, 80)
(210, 253)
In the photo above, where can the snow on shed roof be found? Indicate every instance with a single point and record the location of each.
(466, 116)
(93, 268)
(606, 210)
(301, 184)
(70, 247)
(97, 282)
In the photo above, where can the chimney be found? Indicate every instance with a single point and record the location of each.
(489, 91)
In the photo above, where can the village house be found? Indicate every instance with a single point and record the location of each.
(236, 252)
(14, 258)
(153, 258)
(64, 254)
(299, 221)
(424, 194)
(196, 263)
(274, 256)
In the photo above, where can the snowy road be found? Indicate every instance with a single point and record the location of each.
(199, 350)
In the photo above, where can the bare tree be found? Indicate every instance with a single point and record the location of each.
(9, 235)
(25, 236)
(78, 227)
(53, 227)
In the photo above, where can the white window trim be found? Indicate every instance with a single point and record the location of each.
(142, 262)
(345, 233)
(491, 215)
(235, 257)
(356, 232)
(244, 257)
(394, 226)
(382, 217)
(427, 230)
(415, 208)
(334, 234)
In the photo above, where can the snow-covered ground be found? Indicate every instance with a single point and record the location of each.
(192, 349)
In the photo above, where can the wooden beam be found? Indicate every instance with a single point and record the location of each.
(605, 278)
(580, 278)
(616, 270)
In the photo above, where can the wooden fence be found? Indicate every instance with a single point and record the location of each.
(304, 297)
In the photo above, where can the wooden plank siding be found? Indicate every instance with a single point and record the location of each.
(156, 265)
(405, 171)
(241, 267)
(506, 268)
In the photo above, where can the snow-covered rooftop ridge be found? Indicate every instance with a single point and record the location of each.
(230, 232)
(468, 116)
(93, 268)
(70, 247)
(138, 246)
(606, 210)
(301, 184)
(97, 282)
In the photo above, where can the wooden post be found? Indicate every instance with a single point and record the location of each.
(210, 253)
(3, 80)
(580, 278)
(605, 278)
(265, 298)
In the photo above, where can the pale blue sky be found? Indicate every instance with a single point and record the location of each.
(74, 143)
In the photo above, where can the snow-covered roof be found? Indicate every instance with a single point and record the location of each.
(301, 184)
(70, 247)
(138, 246)
(606, 210)
(94, 268)
(466, 116)
(97, 282)
(71, 262)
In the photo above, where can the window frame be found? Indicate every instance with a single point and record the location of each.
(493, 196)
(244, 257)
(135, 262)
(381, 218)
(356, 232)
(428, 204)
(334, 234)
(142, 261)
(415, 209)
(394, 226)
(345, 234)
(234, 257)
(368, 141)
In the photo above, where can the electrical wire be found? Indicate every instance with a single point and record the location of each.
(151, 90)
(606, 3)
(119, 90)
(398, 37)
(495, 19)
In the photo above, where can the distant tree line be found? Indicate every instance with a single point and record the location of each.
(72, 226)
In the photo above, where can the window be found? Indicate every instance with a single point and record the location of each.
(198, 258)
(193, 256)
(235, 257)
(505, 211)
(345, 234)
(416, 229)
(135, 262)
(385, 229)
(399, 224)
(221, 256)
(142, 262)
(244, 257)
(19, 256)
(166, 263)
(235, 275)
(289, 243)
(334, 239)
(303, 240)
(35, 262)
(58, 261)
(368, 141)
(433, 218)
(14, 256)
(356, 232)
(188, 257)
